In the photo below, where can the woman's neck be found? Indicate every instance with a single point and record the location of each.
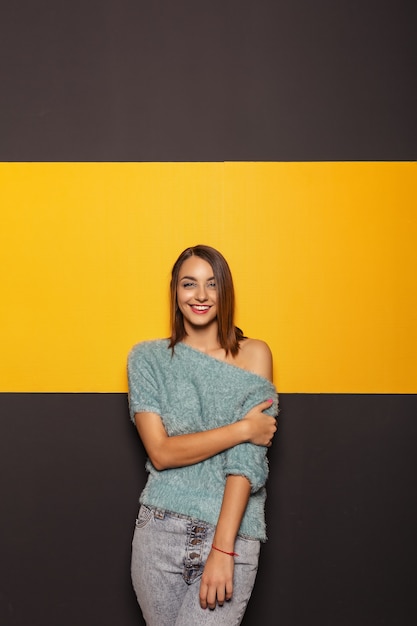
(203, 339)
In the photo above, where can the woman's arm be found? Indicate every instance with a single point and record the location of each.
(256, 427)
(217, 580)
(179, 450)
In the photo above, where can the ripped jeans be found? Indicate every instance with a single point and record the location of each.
(169, 552)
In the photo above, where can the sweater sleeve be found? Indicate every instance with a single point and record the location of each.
(143, 388)
(248, 459)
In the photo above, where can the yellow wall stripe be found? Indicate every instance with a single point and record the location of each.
(323, 255)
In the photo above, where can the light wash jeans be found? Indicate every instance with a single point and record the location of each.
(169, 552)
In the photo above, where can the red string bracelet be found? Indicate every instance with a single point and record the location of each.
(224, 551)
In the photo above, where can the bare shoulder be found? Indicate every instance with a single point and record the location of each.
(257, 357)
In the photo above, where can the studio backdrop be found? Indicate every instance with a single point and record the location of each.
(281, 134)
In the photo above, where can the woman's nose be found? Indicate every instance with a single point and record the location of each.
(201, 293)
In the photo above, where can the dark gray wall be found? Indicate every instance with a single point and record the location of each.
(341, 512)
(288, 80)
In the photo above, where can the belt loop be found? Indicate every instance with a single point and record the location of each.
(159, 513)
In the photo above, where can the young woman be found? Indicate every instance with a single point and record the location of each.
(204, 404)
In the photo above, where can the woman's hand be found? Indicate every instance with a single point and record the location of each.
(216, 585)
(262, 427)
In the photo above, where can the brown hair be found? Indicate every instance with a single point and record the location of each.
(229, 335)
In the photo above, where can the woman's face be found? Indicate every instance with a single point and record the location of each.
(197, 292)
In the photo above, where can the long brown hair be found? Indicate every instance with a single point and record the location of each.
(229, 335)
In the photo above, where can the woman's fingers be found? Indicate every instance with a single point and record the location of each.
(229, 591)
(214, 596)
(263, 426)
(203, 595)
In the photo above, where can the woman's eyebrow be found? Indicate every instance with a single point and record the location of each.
(193, 278)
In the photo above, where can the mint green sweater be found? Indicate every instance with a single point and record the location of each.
(192, 392)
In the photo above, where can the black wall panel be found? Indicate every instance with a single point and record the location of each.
(341, 512)
(132, 80)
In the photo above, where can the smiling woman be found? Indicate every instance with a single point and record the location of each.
(196, 292)
(214, 272)
(204, 406)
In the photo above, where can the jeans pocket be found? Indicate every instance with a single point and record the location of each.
(248, 549)
(144, 515)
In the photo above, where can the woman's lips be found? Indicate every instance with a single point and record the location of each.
(200, 309)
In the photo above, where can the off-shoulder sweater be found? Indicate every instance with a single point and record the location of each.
(192, 391)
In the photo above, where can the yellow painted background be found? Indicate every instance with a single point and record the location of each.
(323, 257)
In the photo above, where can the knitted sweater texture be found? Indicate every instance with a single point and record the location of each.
(192, 391)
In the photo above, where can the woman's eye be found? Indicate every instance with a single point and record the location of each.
(188, 285)
(212, 284)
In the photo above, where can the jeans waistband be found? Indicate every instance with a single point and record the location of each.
(161, 513)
